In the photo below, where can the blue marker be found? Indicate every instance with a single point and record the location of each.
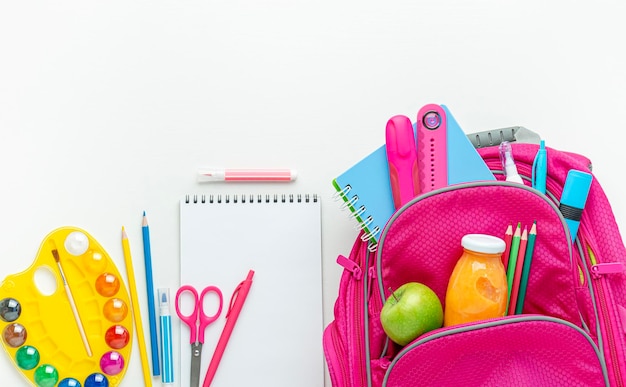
(574, 197)
(167, 376)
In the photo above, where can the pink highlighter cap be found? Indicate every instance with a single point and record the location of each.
(402, 159)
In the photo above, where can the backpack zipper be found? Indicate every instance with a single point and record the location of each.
(358, 315)
(337, 344)
(493, 323)
(604, 309)
(339, 356)
(598, 274)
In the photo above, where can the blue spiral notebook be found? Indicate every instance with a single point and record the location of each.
(365, 187)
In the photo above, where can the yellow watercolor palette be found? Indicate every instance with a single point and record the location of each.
(68, 336)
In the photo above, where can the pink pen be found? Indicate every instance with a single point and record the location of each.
(221, 174)
(236, 305)
(402, 158)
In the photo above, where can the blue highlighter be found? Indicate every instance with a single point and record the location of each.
(574, 197)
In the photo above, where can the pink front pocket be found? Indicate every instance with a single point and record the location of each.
(528, 350)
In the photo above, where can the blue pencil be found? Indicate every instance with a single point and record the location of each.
(147, 255)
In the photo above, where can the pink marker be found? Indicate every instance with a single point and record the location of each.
(272, 175)
(402, 158)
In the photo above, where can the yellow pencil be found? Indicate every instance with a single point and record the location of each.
(136, 311)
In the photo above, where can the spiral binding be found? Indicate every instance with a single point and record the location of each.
(341, 194)
(352, 203)
(241, 198)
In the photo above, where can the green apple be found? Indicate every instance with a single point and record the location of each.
(412, 310)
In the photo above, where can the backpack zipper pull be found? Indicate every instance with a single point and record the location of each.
(599, 269)
(350, 265)
(371, 276)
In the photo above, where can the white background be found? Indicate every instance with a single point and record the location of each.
(108, 108)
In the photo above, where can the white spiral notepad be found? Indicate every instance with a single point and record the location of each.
(277, 340)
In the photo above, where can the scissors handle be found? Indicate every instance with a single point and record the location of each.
(197, 321)
(205, 320)
(191, 319)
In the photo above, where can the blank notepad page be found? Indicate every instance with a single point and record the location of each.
(277, 340)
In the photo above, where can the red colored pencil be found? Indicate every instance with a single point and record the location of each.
(518, 271)
(508, 236)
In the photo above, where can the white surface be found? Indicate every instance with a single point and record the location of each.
(109, 108)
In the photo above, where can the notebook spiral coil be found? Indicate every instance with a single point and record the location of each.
(357, 213)
(241, 198)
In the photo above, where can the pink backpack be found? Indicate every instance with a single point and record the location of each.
(572, 330)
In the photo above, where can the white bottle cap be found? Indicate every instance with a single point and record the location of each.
(482, 243)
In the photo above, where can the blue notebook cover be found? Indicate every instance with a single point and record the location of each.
(366, 190)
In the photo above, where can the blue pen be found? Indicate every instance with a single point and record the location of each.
(167, 376)
(147, 255)
(574, 197)
(540, 169)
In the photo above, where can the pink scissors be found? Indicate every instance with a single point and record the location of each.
(197, 322)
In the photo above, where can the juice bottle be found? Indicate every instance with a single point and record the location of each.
(477, 288)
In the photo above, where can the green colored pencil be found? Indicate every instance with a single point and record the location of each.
(510, 273)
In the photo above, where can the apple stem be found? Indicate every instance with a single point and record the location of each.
(393, 294)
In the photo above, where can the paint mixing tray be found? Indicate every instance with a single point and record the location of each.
(51, 342)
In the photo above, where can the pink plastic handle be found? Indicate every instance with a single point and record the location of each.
(198, 315)
(204, 319)
(192, 318)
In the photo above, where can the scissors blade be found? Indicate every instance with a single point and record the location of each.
(196, 359)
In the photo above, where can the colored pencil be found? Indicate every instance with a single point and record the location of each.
(510, 271)
(530, 248)
(147, 256)
(518, 271)
(508, 235)
(132, 286)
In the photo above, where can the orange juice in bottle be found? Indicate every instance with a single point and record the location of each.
(477, 288)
